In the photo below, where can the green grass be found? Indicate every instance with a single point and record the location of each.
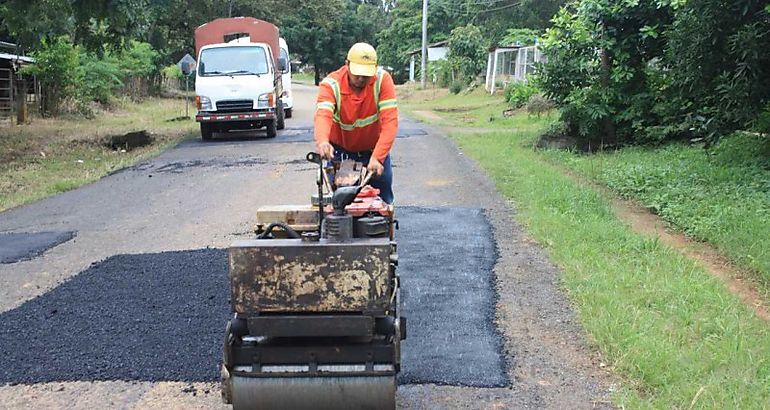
(51, 156)
(721, 196)
(474, 109)
(305, 78)
(675, 334)
(669, 328)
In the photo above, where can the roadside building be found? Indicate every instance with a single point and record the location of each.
(14, 85)
(436, 51)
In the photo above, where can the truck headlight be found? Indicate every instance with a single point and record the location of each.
(203, 103)
(266, 100)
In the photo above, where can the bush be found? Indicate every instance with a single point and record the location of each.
(521, 36)
(138, 60)
(518, 93)
(456, 87)
(638, 72)
(467, 52)
(70, 74)
(56, 61)
(440, 72)
(98, 78)
(538, 104)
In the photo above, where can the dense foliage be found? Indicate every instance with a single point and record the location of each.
(521, 37)
(55, 61)
(467, 52)
(629, 71)
(518, 93)
(71, 73)
(494, 18)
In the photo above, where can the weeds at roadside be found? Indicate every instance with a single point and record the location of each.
(664, 323)
(676, 334)
(56, 155)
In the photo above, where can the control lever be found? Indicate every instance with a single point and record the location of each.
(316, 159)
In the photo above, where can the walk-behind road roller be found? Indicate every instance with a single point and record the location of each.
(315, 300)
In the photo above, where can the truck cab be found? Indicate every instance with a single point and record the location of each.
(287, 98)
(239, 84)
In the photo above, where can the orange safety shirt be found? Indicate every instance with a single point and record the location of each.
(365, 121)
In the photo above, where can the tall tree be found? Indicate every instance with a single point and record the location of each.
(321, 32)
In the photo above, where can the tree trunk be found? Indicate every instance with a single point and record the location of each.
(21, 102)
(608, 125)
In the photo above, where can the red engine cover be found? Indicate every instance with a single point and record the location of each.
(367, 201)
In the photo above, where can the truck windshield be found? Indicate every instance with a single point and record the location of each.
(233, 61)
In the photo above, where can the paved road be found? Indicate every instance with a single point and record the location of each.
(203, 195)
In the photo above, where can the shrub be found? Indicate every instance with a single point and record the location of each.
(521, 36)
(55, 62)
(440, 72)
(138, 60)
(518, 93)
(538, 104)
(456, 87)
(98, 78)
(467, 51)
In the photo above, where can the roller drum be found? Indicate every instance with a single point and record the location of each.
(370, 392)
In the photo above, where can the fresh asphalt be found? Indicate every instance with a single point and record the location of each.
(139, 297)
(158, 317)
(16, 247)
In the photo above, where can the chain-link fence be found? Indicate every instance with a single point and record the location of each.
(508, 64)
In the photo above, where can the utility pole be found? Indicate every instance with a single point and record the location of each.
(424, 61)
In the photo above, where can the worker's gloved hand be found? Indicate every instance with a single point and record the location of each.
(325, 150)
(375, 166)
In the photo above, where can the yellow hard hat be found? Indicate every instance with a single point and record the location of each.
(363, 59)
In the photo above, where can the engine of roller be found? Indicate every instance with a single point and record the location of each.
(315, 300)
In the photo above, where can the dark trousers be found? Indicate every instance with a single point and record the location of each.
(383, 182)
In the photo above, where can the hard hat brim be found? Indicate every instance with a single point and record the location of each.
(367, 70)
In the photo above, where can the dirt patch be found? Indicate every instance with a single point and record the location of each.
(455, 109)
(737, 280)
(429, 115)
(409, 93)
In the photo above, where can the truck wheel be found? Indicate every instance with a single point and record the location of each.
(271, 129)
(206, 131)
(287, 112)
(280, 115)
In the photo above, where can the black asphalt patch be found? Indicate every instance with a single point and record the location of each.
(179, 167)
(446, 257)
(289, 135)
(410, 132)
(15, 247)
(145, 317)
(156, 317)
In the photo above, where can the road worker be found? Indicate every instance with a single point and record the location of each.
(357, 116)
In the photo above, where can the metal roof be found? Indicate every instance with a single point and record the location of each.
(14, 57)
(443, 43)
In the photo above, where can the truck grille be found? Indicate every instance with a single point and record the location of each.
(235, 105)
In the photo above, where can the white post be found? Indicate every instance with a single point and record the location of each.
(424, 62)
(494, 73)
(489, 71)
(517, 71)
(411, 69)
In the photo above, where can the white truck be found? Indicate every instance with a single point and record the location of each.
(238, 83)
(286, 97)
